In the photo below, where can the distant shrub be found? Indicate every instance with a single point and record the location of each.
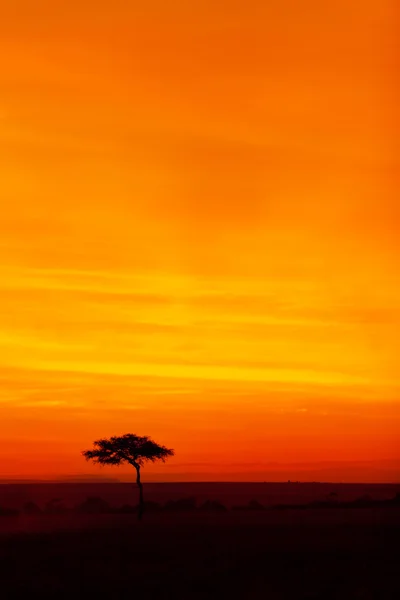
(182, 504)
(213, 505)
(148, 506)
(94, 505)
(290, 506)
(332, 497)
(255, 505)
(252, 505)
(55, 507)
(30, 508)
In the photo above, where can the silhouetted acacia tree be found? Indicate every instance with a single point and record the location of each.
(128, 448)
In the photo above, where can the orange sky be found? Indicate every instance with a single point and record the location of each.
(199, 235)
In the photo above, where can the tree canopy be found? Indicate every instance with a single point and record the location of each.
(130, 448)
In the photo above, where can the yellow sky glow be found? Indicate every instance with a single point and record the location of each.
(199, 233)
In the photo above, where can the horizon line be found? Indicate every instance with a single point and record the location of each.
(105, 481)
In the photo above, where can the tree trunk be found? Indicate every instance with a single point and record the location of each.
(140, 486)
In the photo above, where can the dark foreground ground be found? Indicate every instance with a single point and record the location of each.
(295, 554)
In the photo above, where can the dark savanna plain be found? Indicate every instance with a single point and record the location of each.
(200, 243)
(201, 540)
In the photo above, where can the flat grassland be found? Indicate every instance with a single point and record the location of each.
(314, 554)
